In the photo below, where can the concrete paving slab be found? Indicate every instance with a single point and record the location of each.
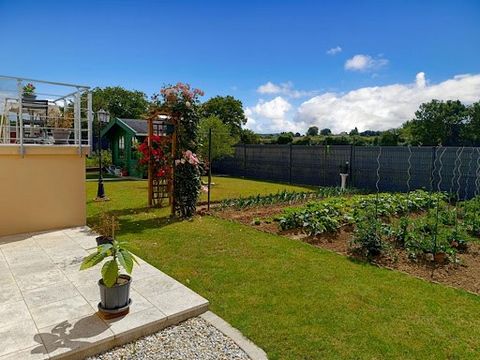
(48, 307)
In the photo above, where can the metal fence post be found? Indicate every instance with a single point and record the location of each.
(290, 164)
(209, 166)
(350, 168)
(90, 121)
(20, 115)
(244, 159)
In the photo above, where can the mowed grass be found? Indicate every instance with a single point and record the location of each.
(294, 300)
(130, 197)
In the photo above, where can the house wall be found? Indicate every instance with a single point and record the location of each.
(43, 190)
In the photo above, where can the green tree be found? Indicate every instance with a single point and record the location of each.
(120, 102)
(222, 140)
(228, 109)
(325, 132)
(285, 138)
(247, 136)
(312, 131)
(354, 132)
(472, 130)
(438, 122)
(389, 138)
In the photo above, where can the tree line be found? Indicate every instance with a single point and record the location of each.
(223, 114)
(448, 123)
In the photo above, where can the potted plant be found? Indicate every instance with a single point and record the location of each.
(114, 287)
(61, 126)
(29, 92)
(106, 227)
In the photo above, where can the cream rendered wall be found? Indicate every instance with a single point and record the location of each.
(43, 190)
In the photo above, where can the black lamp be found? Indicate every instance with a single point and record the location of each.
(102, 117)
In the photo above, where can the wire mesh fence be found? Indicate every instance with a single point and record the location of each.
(451, 169)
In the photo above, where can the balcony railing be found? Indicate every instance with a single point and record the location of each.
(55, 114)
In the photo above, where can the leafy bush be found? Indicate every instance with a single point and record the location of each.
(428, 237)
(402, 233)
(315, 218)
(472, 216)
(94, 160)
(368, 237)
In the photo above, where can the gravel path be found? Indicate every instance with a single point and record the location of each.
(192, 339)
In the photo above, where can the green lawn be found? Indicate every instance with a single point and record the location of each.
(292, 299)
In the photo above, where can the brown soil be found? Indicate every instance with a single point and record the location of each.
(463, 273)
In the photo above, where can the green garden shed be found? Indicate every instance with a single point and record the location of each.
(124, 135)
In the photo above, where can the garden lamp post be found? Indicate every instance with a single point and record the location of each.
(102, 117)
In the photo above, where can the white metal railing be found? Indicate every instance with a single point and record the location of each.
(56, 114)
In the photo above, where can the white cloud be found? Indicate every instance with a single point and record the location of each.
(286, 89)
(420, 80)
(365, 63)
(334, 51)
(270, 116)
(383, 107)
(269, 88)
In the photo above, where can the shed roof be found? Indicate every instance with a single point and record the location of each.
(138, 127)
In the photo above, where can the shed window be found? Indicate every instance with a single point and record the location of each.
(121, 147)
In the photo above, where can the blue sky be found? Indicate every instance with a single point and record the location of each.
(236, 47)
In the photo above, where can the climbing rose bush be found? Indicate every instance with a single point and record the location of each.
(183, 102)
(160, 155)
(187, 183)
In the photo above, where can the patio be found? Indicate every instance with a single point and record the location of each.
(48, 307)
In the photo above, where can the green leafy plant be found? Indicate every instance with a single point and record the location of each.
(285, 197)
(368, 239)
(402, 232)
(331, 213)
(118, 256)
(458, 240)
(94, 160)
(29, 89)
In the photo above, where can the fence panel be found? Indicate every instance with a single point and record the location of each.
(307, 162)
(453, 169)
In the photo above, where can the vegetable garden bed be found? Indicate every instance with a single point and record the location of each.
(424, 234)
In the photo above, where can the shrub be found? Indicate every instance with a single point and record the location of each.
(367, 238)
(94, 160)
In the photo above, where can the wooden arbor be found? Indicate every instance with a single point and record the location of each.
(161, 122)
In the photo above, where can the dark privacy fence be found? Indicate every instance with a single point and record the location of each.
(452, 169)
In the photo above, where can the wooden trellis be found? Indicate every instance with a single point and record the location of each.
(161, 123)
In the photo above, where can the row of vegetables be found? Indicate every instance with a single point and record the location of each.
(427, 225)
(285, 197)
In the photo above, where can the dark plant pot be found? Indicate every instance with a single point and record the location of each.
(115, 300)
(440, 257)
(102, 240)
(61, 136)
(29, 97)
